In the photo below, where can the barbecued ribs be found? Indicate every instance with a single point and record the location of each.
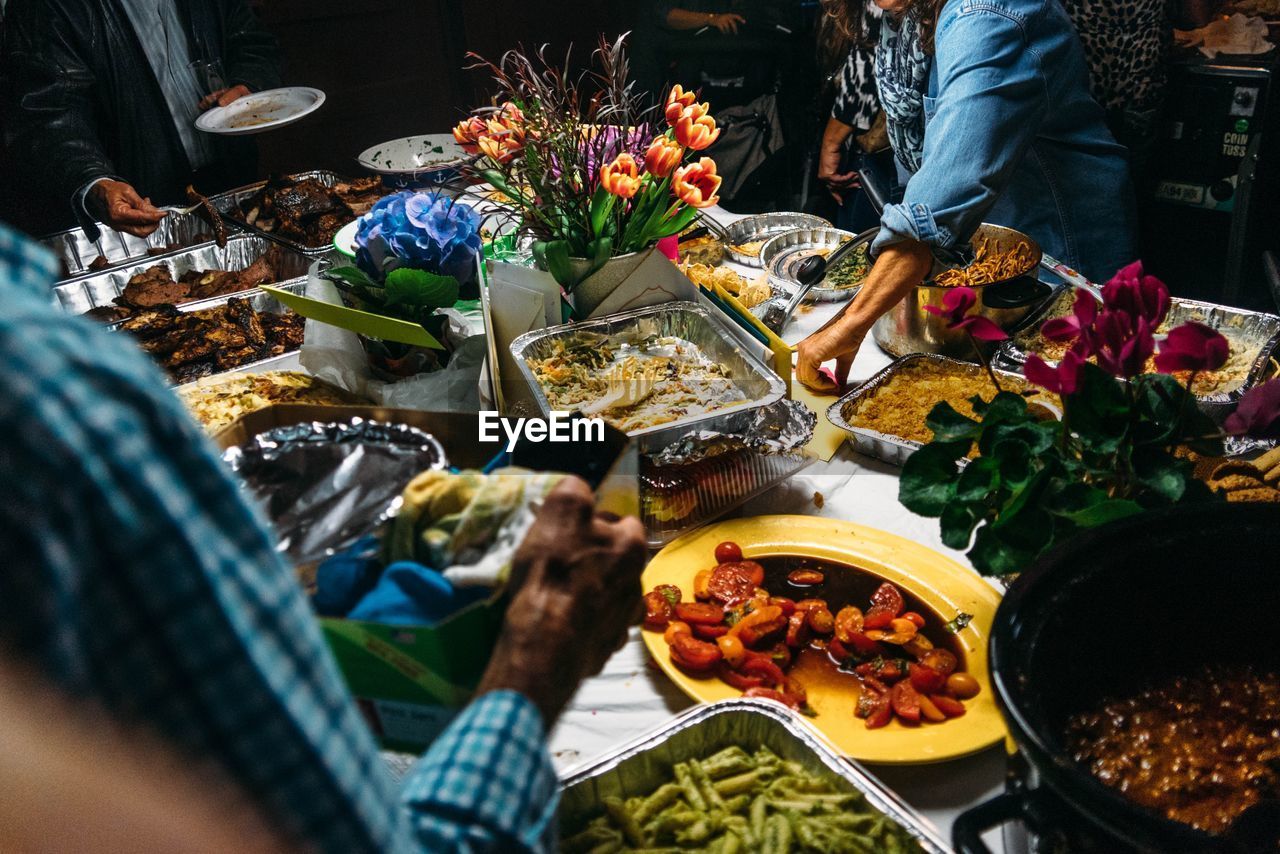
(156, 286)
(306, 211)
(198, 343)
(209, 214)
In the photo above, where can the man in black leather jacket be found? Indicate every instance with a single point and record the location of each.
(86, 106)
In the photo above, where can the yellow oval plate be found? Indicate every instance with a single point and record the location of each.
(944, 585)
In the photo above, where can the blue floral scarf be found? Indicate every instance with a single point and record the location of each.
(902, 76)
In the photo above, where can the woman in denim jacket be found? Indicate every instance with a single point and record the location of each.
(990, 115)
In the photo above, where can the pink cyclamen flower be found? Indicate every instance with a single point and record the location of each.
(1122, 343)
(1141, 296)
(1258, 414)
(1079, 323)
(956, 304)
(1062, 380)
(1192, 347)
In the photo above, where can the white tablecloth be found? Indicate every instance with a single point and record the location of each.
(631, 696)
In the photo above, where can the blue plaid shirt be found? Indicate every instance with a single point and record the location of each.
(136, 577)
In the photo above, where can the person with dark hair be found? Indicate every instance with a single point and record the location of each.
(104, 97)
(990, 117)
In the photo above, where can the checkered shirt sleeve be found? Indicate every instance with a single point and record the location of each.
(137, 577)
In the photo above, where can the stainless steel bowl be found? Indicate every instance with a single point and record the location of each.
(783, 255)
(908, 328)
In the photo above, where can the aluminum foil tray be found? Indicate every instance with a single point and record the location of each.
(1256, 332)
(228, 204)
(87, 292)
(682, 319)
(892, 449)
(76, 251)
(762, 227)
(784, 253)
(259, 300)
(708, 489)
(641, 765)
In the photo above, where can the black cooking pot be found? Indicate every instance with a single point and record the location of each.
(1152, 595)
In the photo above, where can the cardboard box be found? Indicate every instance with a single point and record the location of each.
(409, 681)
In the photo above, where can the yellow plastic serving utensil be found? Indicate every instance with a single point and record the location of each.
(362, 322)
(944, 586)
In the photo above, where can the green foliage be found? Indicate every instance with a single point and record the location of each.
(1036, 481)
(406, 294)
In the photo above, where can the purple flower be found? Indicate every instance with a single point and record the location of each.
(1080, 322)
(1062, 380)
(1121, 343)
(427, 231)
(1258, 414)
(1192, 347)
(956, 304)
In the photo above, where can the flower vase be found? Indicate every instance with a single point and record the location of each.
(596, 288)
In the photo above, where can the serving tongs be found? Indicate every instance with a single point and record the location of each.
(808, 273)
(708, 226)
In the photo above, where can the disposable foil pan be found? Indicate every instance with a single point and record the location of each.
(685, 320)
(762, 227)
(88, 292)
(76, 251)
(259, 300)
(228, 204)
(883, 446)
(783, 254)
(641, 765)
(1254, 331)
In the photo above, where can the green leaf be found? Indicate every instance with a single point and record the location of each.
(1161, 473)
(979, 480)
(1106, 511)
(957, 524)
(993, 555)
(556, 254)
(418, 288)
(928, 478)
(1099, 410)
(948, 425)
(1005, 406)
(353, 276)
(1014, 459)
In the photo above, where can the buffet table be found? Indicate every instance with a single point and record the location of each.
(632, 696)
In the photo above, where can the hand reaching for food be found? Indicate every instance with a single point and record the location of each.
(121, 207)
(223, 97)
(576, 583)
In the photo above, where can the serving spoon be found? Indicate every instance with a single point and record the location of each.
(808, 273)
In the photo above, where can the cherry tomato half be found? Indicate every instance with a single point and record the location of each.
(906, 702)
(709, 631)
(915, 618)
(888, 596)
(728, 552)
(949, 706)
(941, 660)
(806, 577)
(700, 612)
(730, 583)
(925, 679)
(876, 708)
(658, 611)
(693, 654)
(877, 617)
(753, 570)
(676, 627)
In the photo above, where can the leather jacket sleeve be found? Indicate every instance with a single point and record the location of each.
(250, 54)
(52, 121)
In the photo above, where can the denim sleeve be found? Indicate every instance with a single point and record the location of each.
(487, 783)
(991, 101)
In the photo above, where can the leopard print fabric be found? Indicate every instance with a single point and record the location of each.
(1126, 43)
(857, 102)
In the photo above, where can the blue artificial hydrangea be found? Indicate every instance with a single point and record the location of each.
(426, 231)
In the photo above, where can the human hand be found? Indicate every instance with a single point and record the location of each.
(839, 340)
(124, 210)
(727, 22)
(222, 97)
(576, 579)
(829, 174)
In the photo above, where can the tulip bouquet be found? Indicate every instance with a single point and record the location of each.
(589, 167)
(1114, 453)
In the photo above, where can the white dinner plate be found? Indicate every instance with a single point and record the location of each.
(345, 240)
(413, 155)
(261, 111)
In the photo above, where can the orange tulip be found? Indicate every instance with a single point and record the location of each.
(662, 157)
(677, 101)
(622, 176)
(468, 133)
(695, 129)
(696, 184)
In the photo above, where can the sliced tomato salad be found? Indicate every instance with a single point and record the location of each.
(734, 630)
